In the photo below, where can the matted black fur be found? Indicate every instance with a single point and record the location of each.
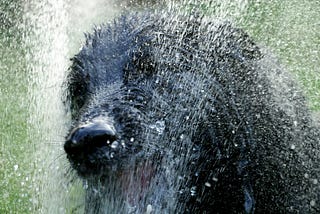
(181, 114)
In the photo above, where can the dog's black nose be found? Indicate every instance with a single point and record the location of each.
(89, 137)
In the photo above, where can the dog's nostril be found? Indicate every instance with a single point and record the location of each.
(89, 137)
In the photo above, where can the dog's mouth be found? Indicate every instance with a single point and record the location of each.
(135, 183)
(111, 162)
(103, 161)
(131, 189)
(96, 162)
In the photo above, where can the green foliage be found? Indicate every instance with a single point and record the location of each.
(291, 29)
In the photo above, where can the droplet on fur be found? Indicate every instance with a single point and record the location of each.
(193, 191)
(315, 181)
(114, 145)
(159, 126)
(312, 203)
(149, 209)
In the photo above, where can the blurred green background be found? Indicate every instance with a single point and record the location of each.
(37, 38)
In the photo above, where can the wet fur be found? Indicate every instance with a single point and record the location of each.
(238, 135)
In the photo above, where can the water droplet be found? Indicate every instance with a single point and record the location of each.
(315, 181)
(131, 140)
(123, 144)
(111, 154)
(207, 184)
(85, 185)
(312, 203)
(114, 145)
(215, 179)
(193, 191)
(149, 209)
(159, 126)
(95, 191)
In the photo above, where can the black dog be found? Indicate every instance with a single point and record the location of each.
(178, 114)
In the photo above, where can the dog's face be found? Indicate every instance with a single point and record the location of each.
(150, 134)
(162, 117)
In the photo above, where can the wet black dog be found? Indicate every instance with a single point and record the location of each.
(178, 114)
